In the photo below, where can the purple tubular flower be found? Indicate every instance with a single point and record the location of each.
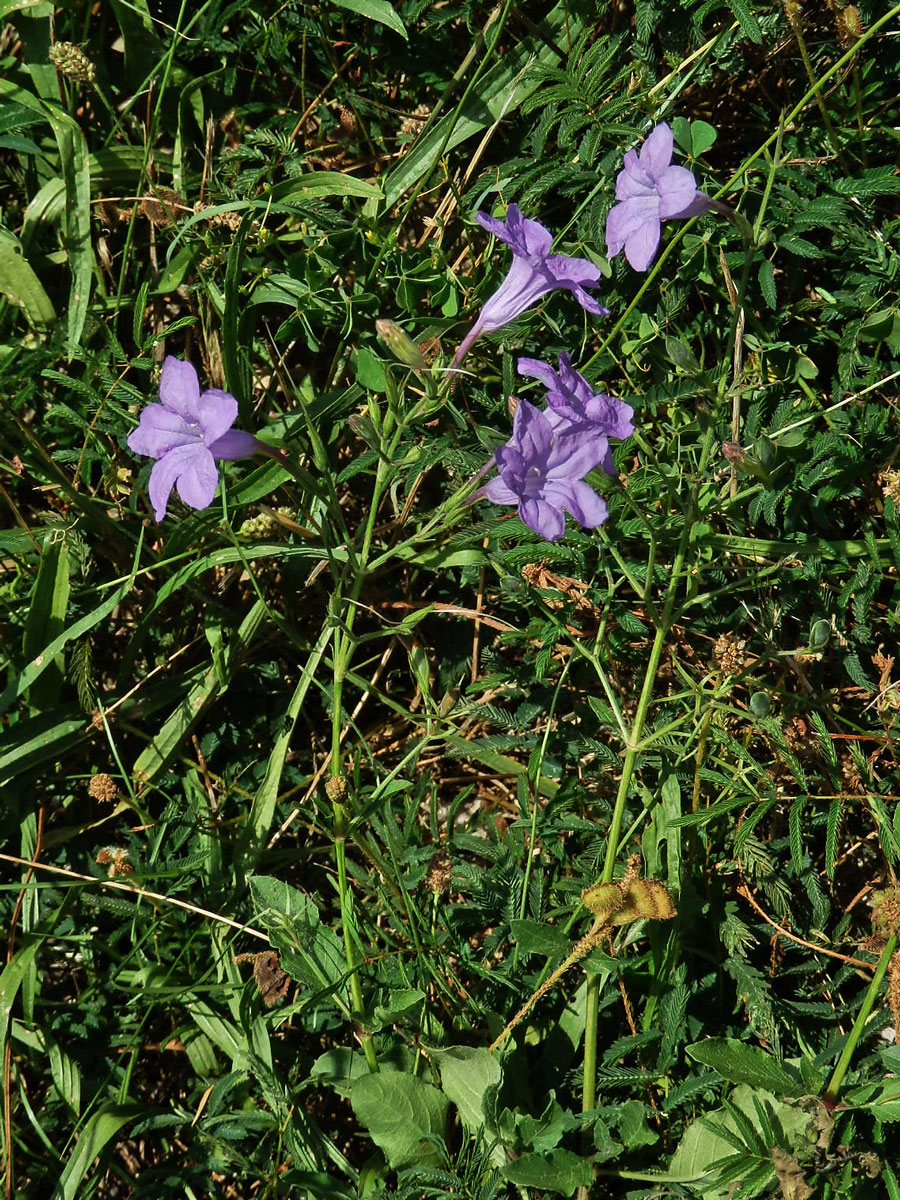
(186, 433)
(572, 403)
(649, 192)
(542, 472)
(534, 272)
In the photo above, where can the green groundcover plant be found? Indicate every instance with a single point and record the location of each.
(450, 599)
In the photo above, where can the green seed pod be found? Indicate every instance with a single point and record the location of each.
(401, 345)
(820, 634)
(760, 705)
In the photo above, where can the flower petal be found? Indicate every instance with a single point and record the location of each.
(179, 388)
(217, 412)
(576, 274)
(543, 518)
(532, 431)
(677, 190)
(533, 368)
(159, 430)
(580, 499)
(656, 152)
(700, 204)
(641, 245)
(523, 286)
(613, 417)
(495, 226)
(627, 218)
(528, 237)
(497, 491)
(632, 181)
(577, 452)
(197, 481)
(190, 467)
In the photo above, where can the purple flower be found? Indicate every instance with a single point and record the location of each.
(186, 433)
(650, 191)
(534, 272)
(542, 472)
(573, 404)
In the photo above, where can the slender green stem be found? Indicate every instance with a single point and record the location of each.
(615, 827)
(344, 643)
(533, 780)
(834, 1086)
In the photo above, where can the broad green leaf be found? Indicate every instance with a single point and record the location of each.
(21, 287)
(703, 135)
(370, 371)
(882, 1099)
(399, 1002)
(100, 1129)
(375, 10)
(399, 1111)
(39, 740)
(309, 950)
(556, 1171)
(468, 1075)
(35, 8)
(316, 184)
(46, 617)
(702, 1144)
(740, 1063)
(10, 982)
(536, 937)
(339, 1069)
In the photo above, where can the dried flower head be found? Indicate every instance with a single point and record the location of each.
(336, 788)
(438, 875)
(103, 787)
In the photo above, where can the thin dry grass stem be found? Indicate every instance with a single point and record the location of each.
(744, 890)
(479, 607)
(141, 893)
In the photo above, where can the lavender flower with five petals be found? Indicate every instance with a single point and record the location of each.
(534, 272)
(650, 191)
(542, 472)
(186, 433)
(573, 404)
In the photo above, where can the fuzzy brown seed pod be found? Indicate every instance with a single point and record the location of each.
(336, 788)
(103, 787)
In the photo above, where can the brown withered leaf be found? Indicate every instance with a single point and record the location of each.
(271, 979)
(790, 1175)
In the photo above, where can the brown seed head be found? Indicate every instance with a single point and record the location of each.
(103, 787)
(336, 788)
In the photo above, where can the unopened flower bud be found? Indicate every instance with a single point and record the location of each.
(401, 345)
